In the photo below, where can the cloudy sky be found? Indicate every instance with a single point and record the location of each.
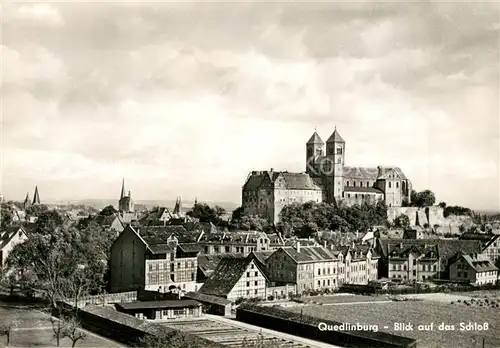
(187, 98)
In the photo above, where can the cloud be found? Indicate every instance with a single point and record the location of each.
(187, 97)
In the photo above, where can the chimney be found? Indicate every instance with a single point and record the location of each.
(380, 171)
(297, 246)
(272, 169)
(324, 244)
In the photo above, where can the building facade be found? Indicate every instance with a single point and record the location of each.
(475, 269)
(9, 238)
(414, 263)
(326, 179)
(319, 268)
(151, 263)
(236, 278)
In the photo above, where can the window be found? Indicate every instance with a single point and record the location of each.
(256, 291)
(414, 272)
(389, 184)
(172, 277)
(347, 183)
(361, 184)
(348, 195)
(367, 184)
(339, 151)
(150, 267)
(414, 262)
(397, 184)
(248, 274)
(319, 271)
(171, 267)
(227, 249)
(178, 265)
(248, 284)
(256, 283)
(192, 276)
(256, 274)
(354, 184)
(319, 282)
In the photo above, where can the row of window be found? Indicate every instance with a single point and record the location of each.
(160, 278)
(157, 266)
(249, 274)
(424, 268)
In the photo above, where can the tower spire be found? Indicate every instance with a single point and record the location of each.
(123, 189)
(36, 197)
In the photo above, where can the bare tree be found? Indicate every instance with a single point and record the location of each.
(6, 329)
(73, 331)
(59, 327)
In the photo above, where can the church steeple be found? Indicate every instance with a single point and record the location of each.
(36, 197)
(123, 189)
(27, 200)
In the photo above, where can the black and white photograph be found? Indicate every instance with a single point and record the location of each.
(250, 174)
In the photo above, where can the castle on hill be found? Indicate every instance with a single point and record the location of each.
(326, 179)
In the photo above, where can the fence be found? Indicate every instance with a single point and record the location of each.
(103, 299)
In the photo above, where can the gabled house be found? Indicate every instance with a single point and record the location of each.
(159, 216)
(415, 262)
(490, 244)
(151, 262)
(10, 237)
(236, 278)
(208, 263)
(475, 269)
(307, 267)
(110, 223)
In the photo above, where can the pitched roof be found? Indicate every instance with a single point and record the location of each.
(310, 254)
(163, 232)
(362, 189)
(486, 239)
(284, 180)
(447, 248)
(208, 263)
(335, 137)
(261, 256)
(228, 272)
(190, 247)
(299, 181)
(315, 139)
(8, 233)
(106, 220)
(208, 298)
(159, 304)
(480, 263)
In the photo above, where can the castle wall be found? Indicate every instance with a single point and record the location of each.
(432, 216)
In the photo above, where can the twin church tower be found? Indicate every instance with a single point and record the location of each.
(326, 179)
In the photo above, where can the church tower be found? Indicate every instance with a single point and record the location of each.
(27, 201)
(125, 204)
(36, 197)
(314, 149)
(335, 151)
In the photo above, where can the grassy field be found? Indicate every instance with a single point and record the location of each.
(343, 298)
(34, 329)
(418, 313)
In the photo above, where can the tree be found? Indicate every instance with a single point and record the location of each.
(251, 222)
(73, 331)
(6, 215)
(402, 221)
(7, 328)
(108, 210)
(307, 230)
(205, 213)
(442, 205)
(422, 199)
(58, 327)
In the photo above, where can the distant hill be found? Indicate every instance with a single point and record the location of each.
(101, 203)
